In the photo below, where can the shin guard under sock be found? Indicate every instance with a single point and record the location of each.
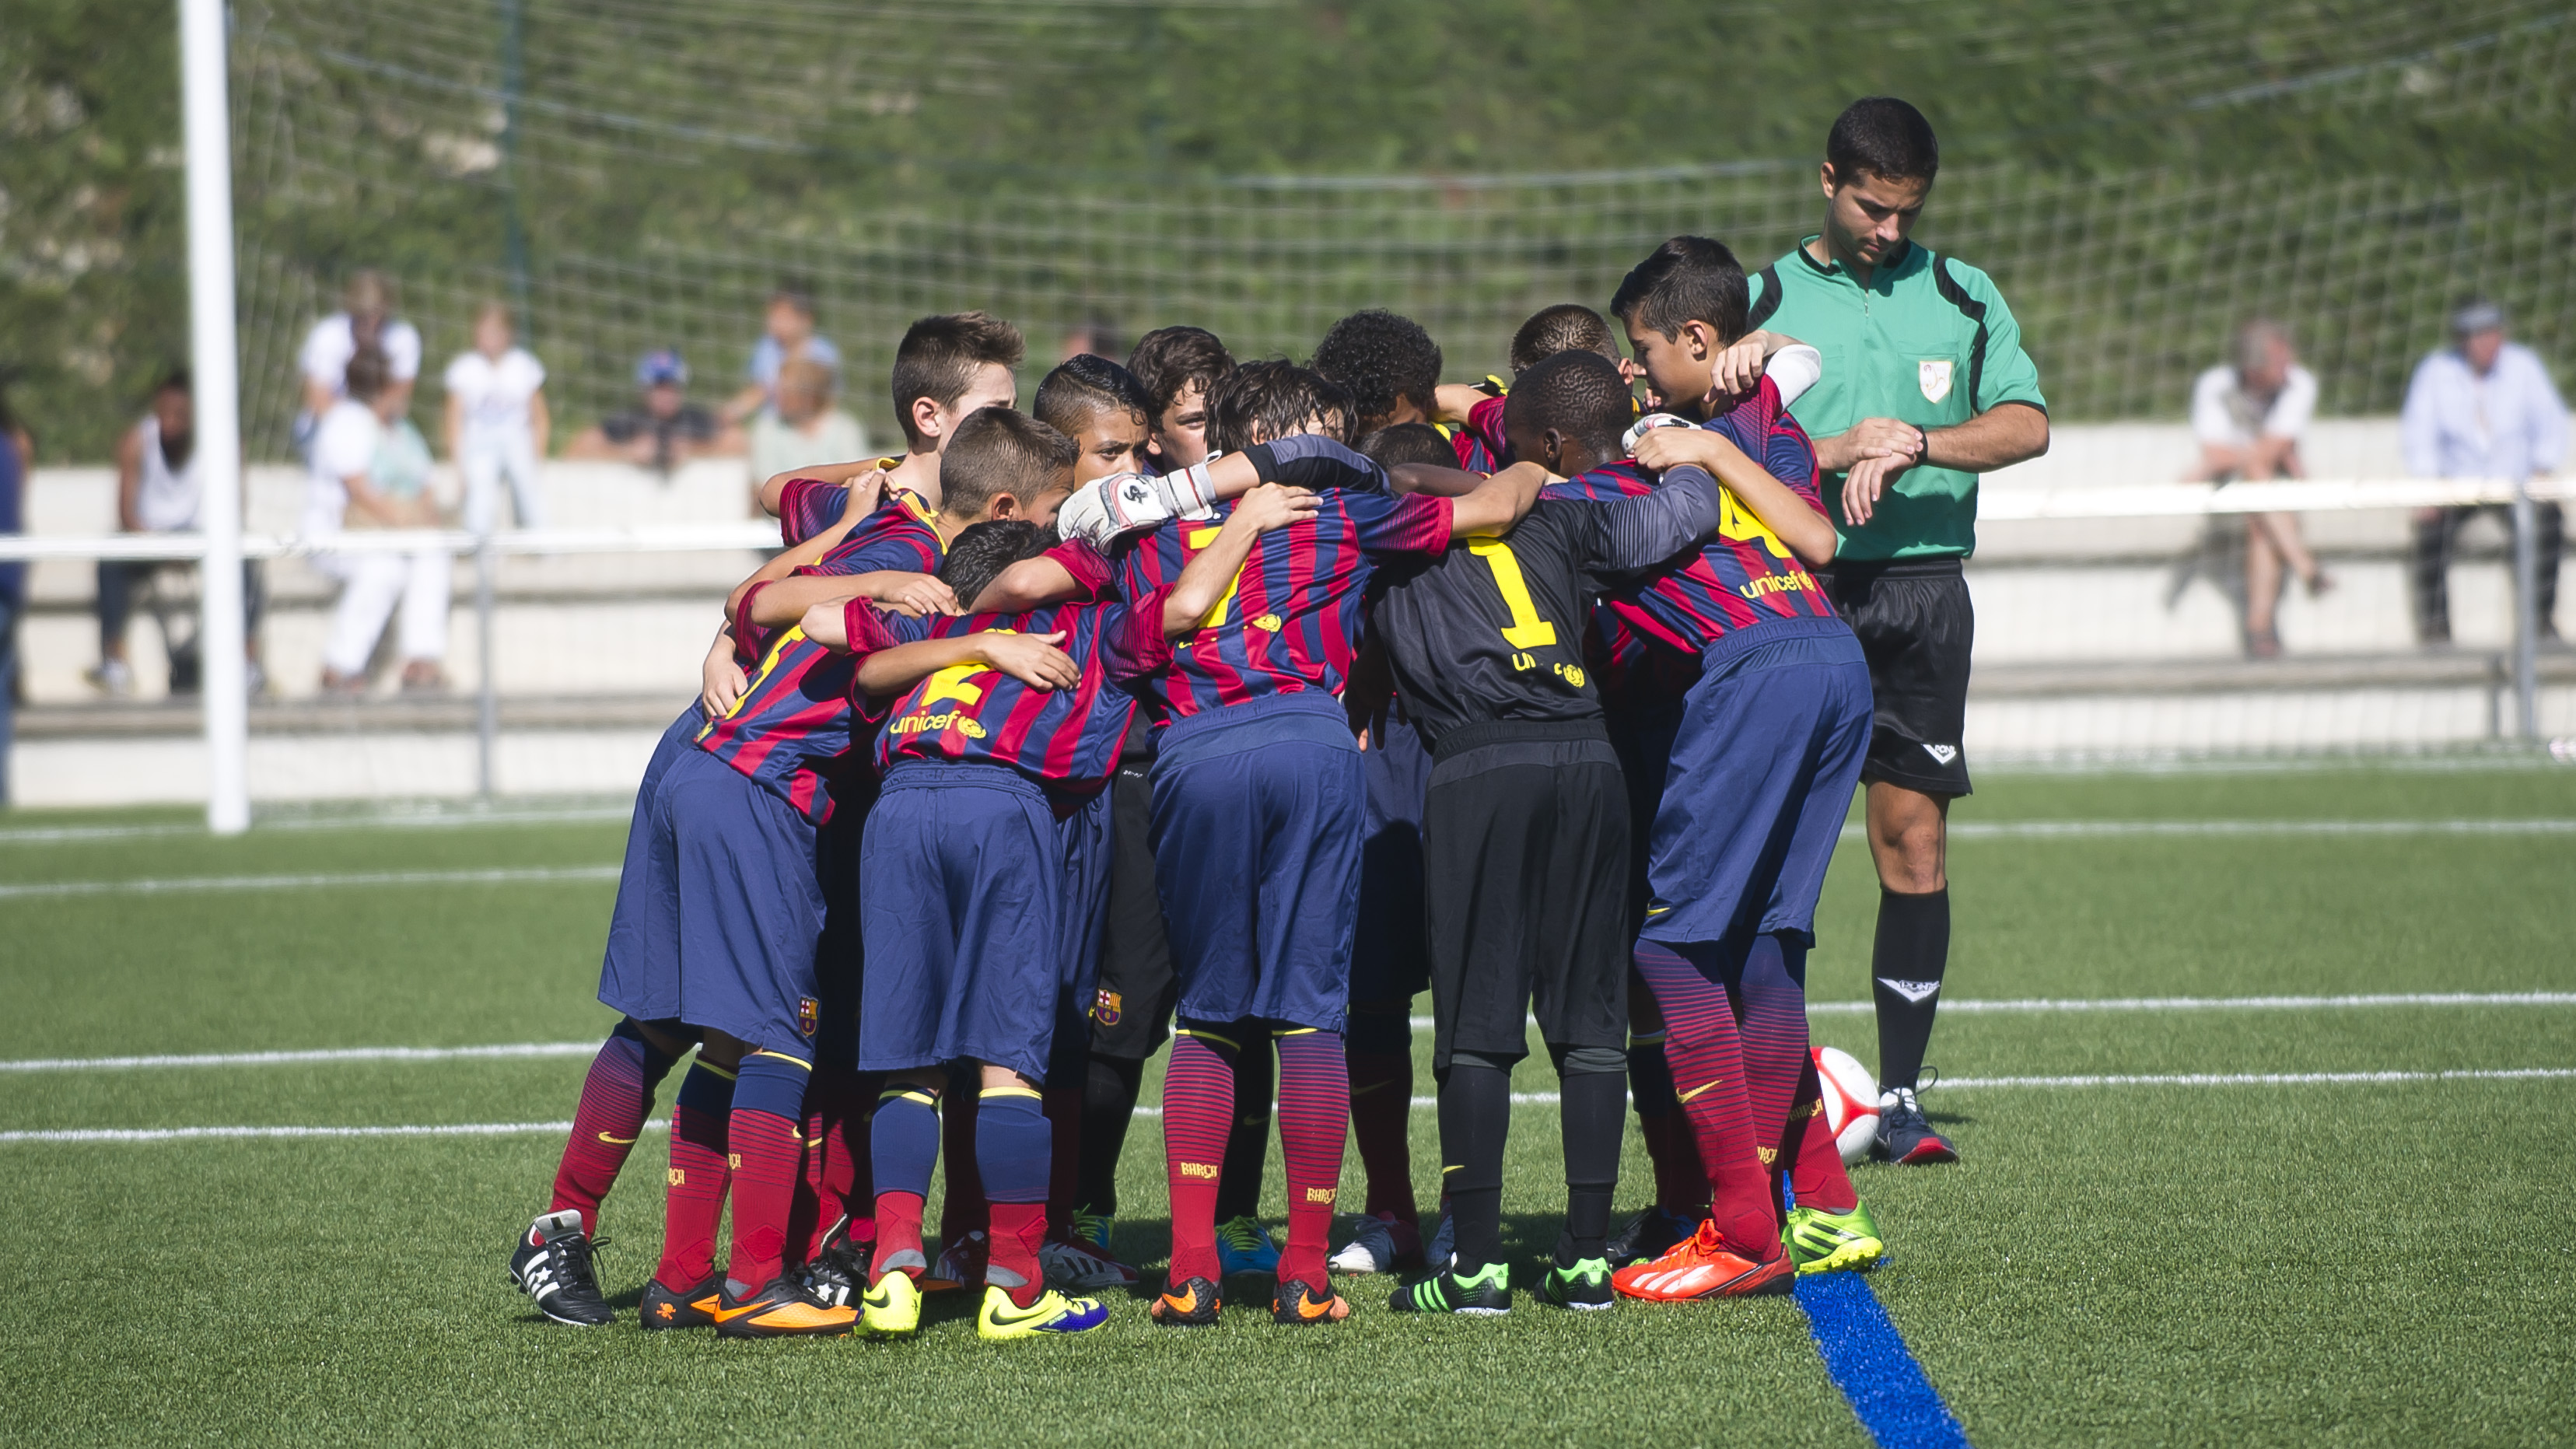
(616, 1097)
(1707, 1060)
(1012, 1145)
(1681, 1184)
(761, 1139)
(1247, 1138)
(694, 1200)
(1109, 1091)
(903, 1147)
(1771, 1025)
(1314, 1114)
(1198, 1106)
(1809, 1155)
(1475, 1122)
(1907, 960)
(1589, 1103)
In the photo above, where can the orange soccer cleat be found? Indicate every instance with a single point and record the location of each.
(1704, 1266)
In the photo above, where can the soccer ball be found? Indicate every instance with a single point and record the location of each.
(1851, 1101)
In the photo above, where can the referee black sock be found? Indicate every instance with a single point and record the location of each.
(1109, 1090)
(1475, 1122)
(1906, 963)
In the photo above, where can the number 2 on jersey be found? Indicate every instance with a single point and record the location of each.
(1527, 630)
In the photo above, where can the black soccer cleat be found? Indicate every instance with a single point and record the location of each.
(1299, 1305)
(552, 1266)
(839, 1273)
(1193, 1303)
(782, 1309)
(1904, 1137)
(1487, 1294)
(1649, 1235)
(693, 1308)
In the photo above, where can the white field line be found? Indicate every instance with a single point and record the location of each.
(523, 1129)
(2115, 829)
(544, 1049)
(62, 834)
(194, 884)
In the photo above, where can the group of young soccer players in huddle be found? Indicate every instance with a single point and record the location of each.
(1244, 703)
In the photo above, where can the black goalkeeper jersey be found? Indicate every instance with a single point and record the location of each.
(1492, 628)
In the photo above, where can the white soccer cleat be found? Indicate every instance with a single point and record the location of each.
(1078, 1267)
(1370, 1250)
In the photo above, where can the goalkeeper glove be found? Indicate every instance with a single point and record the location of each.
(1647, 424)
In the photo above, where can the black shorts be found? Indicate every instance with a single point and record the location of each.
(1131, 1005)
(1388, 961)
(1916, 626)
(1525, 862)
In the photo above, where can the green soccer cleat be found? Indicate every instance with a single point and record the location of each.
(1584, 1286)
(1823, 1242)
(1052, 1316)
(1243, 1245)
(1486, 1295)
(892, 1307)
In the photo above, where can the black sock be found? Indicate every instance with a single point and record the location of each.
(1591, 1104)
(1247, 1142)
(1109, 1090)
(1475, 1122)
(1905, 965)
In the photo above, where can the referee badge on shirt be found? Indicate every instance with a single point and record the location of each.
(1935, 377)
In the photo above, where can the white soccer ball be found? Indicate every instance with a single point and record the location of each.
(1851, 1101)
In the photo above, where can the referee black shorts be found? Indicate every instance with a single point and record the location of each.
(1916, 626)
(1131, 1007)
(1525, 861)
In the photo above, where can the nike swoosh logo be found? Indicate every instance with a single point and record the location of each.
(1022, 1315)
(728, 1315)
(1695, 1091)
(1182, 1302)
(617, 1141)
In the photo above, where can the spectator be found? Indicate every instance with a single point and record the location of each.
(664, 429)
(789, 336)
(358, 481)
(366, 319)
(2248, 418)
(17, 456)
(2481, 408)
(803, 428)
(497, 422)
(158, 491)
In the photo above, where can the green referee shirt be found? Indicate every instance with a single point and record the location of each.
(1928, 341)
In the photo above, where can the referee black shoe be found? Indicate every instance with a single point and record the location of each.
(1649, 1235)
(552, 1266)
(1904, 1137)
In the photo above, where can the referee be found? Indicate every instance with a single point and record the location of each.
(1925, 387)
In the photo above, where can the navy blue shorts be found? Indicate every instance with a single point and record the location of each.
(1088, 853)
(1390, 954)
(746, 907)
(640, 973)
(961, 901)
(1257, 814)
(1767, 752)
(837, 955)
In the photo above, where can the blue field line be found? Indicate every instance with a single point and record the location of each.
(1870, 1363)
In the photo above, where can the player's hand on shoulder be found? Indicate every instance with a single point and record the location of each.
(1737, 369)
(1668, 447)
(1651, 422)
(1032, 659)
(918, 595)
(1276, 505)
(867, 491)
(721, 680)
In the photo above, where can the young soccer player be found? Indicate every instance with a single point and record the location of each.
(1565, 327)
(1392, 368)
(1180, 367)
(1525, 832)
(1760, 764)
(964, 874)
(1257, 807)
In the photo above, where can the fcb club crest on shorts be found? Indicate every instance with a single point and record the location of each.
(1107, 1007)
(809, 1014)
(1935, 376)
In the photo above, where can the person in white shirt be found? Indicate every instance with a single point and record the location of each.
(2481, 408)
(497, 422)
(787, 334)
(2248, 417)
(343, 491)
(803, 429)
(366, 320)
(157, 491)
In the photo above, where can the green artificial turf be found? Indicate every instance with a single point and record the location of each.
(2289, 1263)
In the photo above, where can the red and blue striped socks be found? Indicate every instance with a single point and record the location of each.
(616, 1097)
(768, 1156)
(1198, 1112)
(1314, 1116)
(1707, 1060)
(695, 1197)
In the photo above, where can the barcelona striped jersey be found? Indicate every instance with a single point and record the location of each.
(793, 726)
(807, 506)
(1066, 739)
(1742, 578)
(1291, 621)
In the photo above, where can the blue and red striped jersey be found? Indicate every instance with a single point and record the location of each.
(1474, 454)
(1291, 621)
(1067, 739)
(793, 725)
(1485, 420)
(807, 506)
(1743, 577)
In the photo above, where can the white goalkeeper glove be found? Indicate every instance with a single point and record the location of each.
(1647, 424)
(1188, 491)
(1107, 509)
